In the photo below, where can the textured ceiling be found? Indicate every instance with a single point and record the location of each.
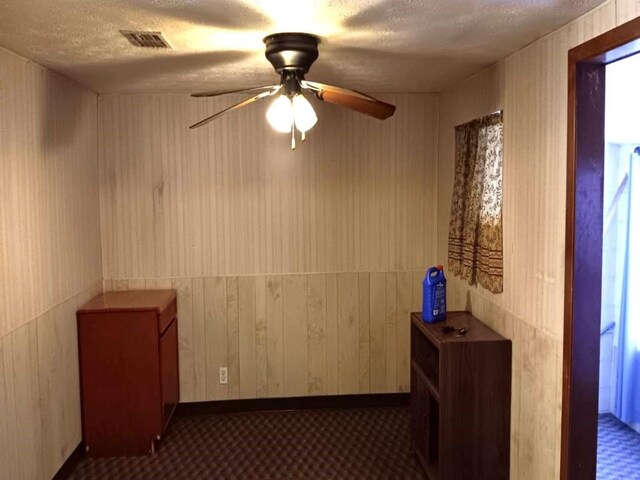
(370, 45)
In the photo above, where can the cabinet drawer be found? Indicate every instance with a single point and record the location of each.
(426, 355)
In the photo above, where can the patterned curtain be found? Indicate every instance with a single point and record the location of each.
(475, 228)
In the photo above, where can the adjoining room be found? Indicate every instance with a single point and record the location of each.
(619, 394)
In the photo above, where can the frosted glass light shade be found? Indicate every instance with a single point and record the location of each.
(284, 111)
(303, 114)
(280, 114)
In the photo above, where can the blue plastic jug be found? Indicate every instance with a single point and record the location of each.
(434, 295)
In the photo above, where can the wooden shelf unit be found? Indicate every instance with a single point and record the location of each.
(128, 346)
(460, 399)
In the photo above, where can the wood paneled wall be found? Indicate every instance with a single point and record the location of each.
(49, 209)
(49, 261)
(627, 10)
(292, 335)
(40, 392)
(227, 213)
(531, 87)
(232, 198)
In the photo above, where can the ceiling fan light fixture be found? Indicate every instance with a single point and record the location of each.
(303, 114)
(286, 112)
(280, 114)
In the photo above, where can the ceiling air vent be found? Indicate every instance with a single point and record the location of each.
(146, 39)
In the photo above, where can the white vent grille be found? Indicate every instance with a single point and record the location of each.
(146, 39)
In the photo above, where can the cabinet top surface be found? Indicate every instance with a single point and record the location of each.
(131, 300)
(476, 330)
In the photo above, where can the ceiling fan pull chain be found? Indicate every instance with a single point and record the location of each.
(304, 136)
(293, 136)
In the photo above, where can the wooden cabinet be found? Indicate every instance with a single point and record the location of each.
(460, 399)
(128, 346)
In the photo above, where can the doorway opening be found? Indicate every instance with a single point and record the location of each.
(619, 373)
(586, 217)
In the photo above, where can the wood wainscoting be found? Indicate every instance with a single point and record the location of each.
(292, 335)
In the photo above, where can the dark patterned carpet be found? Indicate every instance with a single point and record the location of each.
(368, 443)
(618, 450)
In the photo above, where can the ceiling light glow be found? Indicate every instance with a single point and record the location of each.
(280, 114)
(286, 113)
(303, 114)
(311, 16)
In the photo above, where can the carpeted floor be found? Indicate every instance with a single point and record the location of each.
(618, 450)
(371, 443)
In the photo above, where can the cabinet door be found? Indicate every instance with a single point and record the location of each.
(120, 381)
(169, 371)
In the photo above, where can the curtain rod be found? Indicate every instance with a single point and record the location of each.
(479, 118)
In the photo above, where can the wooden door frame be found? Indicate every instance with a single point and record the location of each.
(583, 254)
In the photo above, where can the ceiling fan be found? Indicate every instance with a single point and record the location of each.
(292, 55)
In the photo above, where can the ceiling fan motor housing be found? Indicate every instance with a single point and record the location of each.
(291, 51)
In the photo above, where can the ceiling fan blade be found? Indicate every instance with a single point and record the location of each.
(242, 90)
(237, 106)
(358, 101)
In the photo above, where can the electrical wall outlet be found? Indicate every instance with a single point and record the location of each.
(223, 375)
